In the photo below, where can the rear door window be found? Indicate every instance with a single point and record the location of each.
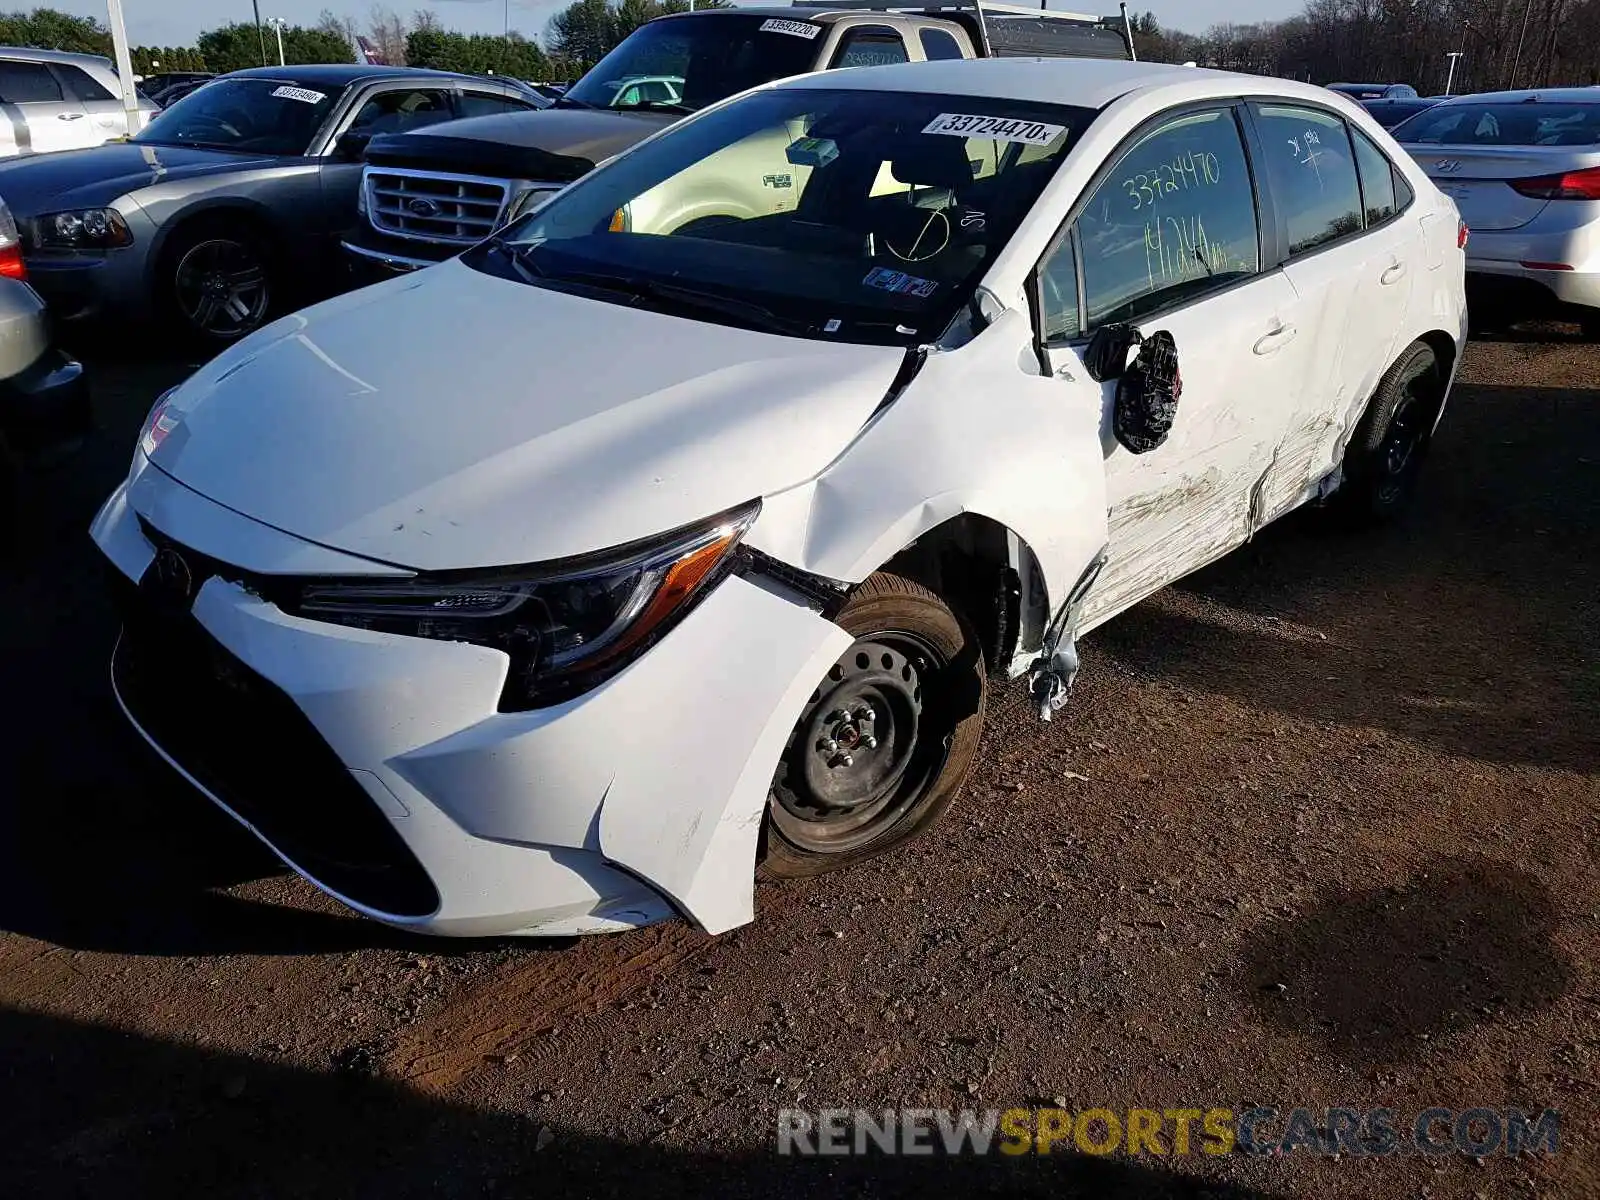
(938, 44)
(1312, 170)
(870, 46)
(83, 84)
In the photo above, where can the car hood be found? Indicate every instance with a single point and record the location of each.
(453, 419)
(559, 144)
(78, 178)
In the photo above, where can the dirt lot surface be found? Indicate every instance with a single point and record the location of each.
(1318, 828)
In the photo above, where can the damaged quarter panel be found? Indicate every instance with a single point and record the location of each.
(978, 430)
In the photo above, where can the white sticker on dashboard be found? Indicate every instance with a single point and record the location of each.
(305, 95)
(998, 129)
(804, 29)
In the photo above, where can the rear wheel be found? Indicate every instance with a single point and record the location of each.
(886, 739)
(1384, 458)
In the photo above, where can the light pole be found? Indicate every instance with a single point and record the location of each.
(277, 24)
(1453, 56)
(261, 35)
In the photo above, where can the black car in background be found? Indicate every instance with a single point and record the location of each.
(1390, 111)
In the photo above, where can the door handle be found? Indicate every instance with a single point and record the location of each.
(1275, 340)
(1393, 274)
(70, 116)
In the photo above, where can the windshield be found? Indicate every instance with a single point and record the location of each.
(853, 215)
(1502, 123)
(691, 62)
(252, 116)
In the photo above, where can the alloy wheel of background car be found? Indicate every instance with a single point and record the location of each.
(1384, 458)
(221, 287)
(886, 738)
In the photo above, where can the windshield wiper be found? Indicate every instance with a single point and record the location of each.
(570, 102)
(675, 295)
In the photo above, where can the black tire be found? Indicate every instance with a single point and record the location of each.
(1385, 455)
(1589, 323)
(218, 281)
(919, 671)
(12, 525)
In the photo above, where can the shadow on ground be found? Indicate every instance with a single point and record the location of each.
(1377, 974)
(112, 1114)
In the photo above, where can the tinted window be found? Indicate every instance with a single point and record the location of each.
(27, 83)
(1467, 123)
(715, 54)
(870, 48)
(476, 104)
(1309, 162)
(256, 116)
(83, 84)
(1176, 217)
(1377, 179)
(398, 111)
(937, 44)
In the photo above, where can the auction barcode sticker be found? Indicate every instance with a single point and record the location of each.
(999, 129)
(296, 93)
(803, 29)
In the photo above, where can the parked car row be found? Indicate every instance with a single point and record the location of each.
(826, 406)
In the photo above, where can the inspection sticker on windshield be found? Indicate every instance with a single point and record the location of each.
(803, 29)
(900, 282)
(303, 94)
(999, 129)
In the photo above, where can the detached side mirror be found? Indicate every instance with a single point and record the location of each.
(352, 146)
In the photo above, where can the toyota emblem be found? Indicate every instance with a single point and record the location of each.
(173, 575)
(421, 207)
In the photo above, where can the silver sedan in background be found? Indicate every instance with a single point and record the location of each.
(1524, 169)
(231, 202)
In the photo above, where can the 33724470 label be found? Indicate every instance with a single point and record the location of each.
(999, 129)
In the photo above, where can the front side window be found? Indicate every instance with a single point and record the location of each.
(402, 110)
(870, 48)
(483, 104)
(1312, 171)
(711, 56)
(247, 116)
(850, 215)
(1377, 179)
(27, 83)
(1501, 123)
(1174, 218)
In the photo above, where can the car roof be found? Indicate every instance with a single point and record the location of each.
(1568, 95)
(1081, 82)
(61, 56)
(340, 74)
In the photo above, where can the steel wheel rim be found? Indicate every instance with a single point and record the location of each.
(1401, 441)
(835, 792)
(221, 287)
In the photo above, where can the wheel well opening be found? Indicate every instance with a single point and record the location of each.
(232, 219)
(1444, 350)
(989, 576)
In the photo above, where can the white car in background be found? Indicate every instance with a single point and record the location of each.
(52, 100)
(1524, 169)
(549, 589)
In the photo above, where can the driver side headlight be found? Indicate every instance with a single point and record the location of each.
(567, 626)
(82, 229)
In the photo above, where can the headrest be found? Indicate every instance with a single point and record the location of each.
(933, 161)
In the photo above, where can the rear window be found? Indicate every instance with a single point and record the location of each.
(1525, 123)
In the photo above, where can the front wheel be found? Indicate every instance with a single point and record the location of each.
(219, 283)
(886, 739)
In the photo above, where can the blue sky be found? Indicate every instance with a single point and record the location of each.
(178, 22)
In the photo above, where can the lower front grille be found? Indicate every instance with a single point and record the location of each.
(247, 743)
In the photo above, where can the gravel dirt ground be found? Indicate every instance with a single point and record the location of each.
(1317, 828)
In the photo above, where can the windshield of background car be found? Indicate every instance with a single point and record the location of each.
(1503, 123)
(251, 116)
(705, 59)
(852, 215)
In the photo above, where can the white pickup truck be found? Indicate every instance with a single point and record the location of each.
(429, 194)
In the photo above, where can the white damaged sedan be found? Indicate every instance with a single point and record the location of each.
(685, 524)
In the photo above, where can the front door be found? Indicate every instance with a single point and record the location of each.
(1169, 240)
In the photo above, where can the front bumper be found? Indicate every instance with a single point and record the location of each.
(80, 287)
(374, 256)
(378, 767)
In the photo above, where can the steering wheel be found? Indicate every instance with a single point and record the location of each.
(212, 121)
